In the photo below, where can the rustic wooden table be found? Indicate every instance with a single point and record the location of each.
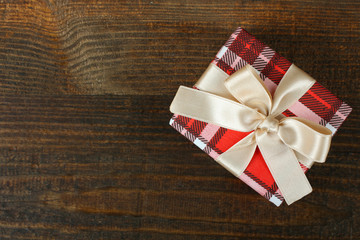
(85, 147)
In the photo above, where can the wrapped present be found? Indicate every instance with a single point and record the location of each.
(259, 116)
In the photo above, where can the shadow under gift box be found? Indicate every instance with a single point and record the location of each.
(317, 105)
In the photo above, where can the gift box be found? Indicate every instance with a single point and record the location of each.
(317, 105)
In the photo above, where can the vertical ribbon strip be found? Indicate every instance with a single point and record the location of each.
(252, 108)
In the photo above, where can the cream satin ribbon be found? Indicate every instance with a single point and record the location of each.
(282, 142)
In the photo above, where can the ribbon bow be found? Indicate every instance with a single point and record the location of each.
(282, 141)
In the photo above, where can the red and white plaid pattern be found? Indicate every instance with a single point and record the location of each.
(317, 104)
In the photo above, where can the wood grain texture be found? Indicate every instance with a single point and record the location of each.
(85, 147)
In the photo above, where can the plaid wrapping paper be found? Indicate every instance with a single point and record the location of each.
(317, 104)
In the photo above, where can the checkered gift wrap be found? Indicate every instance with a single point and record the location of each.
(317, 104)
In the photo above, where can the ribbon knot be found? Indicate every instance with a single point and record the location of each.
(270, 124)
(243, 103)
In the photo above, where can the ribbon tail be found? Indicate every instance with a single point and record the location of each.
(283, 166)
(238, 157)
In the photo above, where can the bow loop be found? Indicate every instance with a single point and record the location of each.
(247, 87)
(309, 139)
(294, 84)
(211, 108)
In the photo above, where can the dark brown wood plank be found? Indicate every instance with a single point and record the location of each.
(111, 47)
(67, 160)
(85, 147)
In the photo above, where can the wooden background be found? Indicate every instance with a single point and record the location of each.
(85, 147)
